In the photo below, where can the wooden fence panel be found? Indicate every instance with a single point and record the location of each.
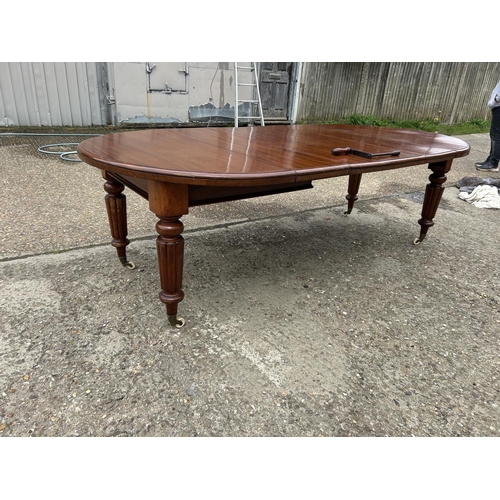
(450, 92)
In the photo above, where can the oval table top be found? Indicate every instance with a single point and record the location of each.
(262, 155)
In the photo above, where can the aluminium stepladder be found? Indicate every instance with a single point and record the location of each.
(255, 100)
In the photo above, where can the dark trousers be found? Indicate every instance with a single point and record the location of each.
(495, 124)
(494, 155)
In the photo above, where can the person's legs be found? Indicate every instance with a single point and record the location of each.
(491, 163)
(495, 136)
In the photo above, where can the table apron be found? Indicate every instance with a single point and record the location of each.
(204, 195)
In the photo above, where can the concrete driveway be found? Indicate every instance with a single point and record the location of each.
(299, 321)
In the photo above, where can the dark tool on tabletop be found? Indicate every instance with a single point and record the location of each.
(346, 151)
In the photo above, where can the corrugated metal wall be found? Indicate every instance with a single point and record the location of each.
(52, 94)
(451, 92)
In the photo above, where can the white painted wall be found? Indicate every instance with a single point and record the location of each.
(204, 82)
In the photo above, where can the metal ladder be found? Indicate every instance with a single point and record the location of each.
(254, 102)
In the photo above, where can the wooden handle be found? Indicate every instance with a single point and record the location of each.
(341, 151)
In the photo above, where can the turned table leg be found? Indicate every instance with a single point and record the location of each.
(117, 216)
(433, 193)
(352, 191)
(170, 249)
(169, 202)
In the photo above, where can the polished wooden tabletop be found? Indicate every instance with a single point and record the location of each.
(175, 169)
(262, 155)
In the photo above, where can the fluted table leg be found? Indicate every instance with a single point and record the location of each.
(169, 202)
(170, 249)
(116, 207)
(433, 193)
(352, 191)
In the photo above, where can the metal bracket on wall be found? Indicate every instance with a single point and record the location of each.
(166, 89)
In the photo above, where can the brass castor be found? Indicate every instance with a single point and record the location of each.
(127, 263)
(175, 321)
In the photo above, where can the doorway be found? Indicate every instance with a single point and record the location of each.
(275, 84)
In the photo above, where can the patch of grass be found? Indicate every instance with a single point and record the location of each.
(476, 126)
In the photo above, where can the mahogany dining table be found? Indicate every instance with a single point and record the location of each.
(177, 168)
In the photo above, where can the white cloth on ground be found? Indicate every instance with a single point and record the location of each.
(482, 197)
